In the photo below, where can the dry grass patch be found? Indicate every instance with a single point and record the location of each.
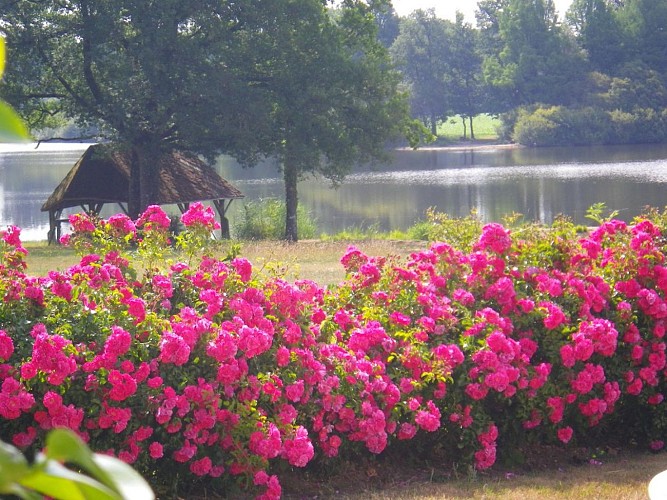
(314, 260)
(317, 260)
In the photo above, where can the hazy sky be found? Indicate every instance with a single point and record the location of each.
(447, 8)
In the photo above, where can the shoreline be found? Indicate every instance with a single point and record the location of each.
(467, 146)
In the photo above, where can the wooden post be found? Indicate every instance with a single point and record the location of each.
(224, 222)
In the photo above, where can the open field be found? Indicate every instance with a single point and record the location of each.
(484, 125)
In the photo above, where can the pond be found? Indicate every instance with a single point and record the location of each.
(539, 183)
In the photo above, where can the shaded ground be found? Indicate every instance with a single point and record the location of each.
(554, 473)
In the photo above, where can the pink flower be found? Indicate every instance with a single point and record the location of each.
(243, 268)
(123, 385)
(428, 420)
(25, 439)
(137, 309)
(156, 450)
(657, 445)
(267, 445)
(294, 391)
(353, 259)
(476, 391)
(117, 343)
(565, 434)
(299, 450)
(450, 353)
(406, 431)
(14, 399)
(201, 467)
(199, 216)
(174, 349)
(186, 452)
(400, 319)
(121, 225)
(49, 355)
(154, 218)
(282, 356)
(494, 238)
(485, 457)
(554, 315)
(6, 346)
(254, 341)
(81, 223)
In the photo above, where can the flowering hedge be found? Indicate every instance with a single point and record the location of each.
(201, 366)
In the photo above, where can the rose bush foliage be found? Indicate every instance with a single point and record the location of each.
(183, 363)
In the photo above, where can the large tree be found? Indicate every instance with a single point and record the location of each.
(152, 75)
(250, 78)
(536, 62)
(421, 52)
(334, 98)
(465, 73)
(597, 30)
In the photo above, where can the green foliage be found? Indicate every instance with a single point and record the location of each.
(560, 126)
(107, 478)
(12, 129)
(459, 232)
(596, 213)
(265, 220)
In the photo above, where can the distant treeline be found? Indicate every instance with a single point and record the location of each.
(595, 77)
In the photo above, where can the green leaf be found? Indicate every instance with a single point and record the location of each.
(13, 466)
(12, 128)
(57, 481)
(64, 445)
(127, 481)
(2, 56)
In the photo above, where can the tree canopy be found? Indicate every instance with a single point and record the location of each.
(245, 77)
(523, 58)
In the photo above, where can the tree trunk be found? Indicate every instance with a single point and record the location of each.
(434, 125)
(465, 129)
(472, 130)
(134, 196)
(290, 175)
(143, 177)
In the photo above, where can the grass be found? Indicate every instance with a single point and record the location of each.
(485, 129)
(622, 475)
(315, 260)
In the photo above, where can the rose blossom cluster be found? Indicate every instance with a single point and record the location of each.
(209, 369)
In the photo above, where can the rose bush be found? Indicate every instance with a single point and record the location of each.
(202, 367)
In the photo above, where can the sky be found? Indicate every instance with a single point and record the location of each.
(446, 9)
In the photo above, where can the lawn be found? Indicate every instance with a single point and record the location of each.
(485, 129)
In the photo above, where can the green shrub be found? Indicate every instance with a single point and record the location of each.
(265, 220)
(459, 232)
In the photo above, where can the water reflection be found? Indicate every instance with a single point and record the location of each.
(539, 183)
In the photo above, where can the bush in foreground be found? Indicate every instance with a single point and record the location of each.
(187, 365)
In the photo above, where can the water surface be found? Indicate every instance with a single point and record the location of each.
(539, 183)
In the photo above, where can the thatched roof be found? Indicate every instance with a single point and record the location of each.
(102, 176)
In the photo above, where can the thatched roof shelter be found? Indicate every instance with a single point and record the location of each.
(102, 175)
